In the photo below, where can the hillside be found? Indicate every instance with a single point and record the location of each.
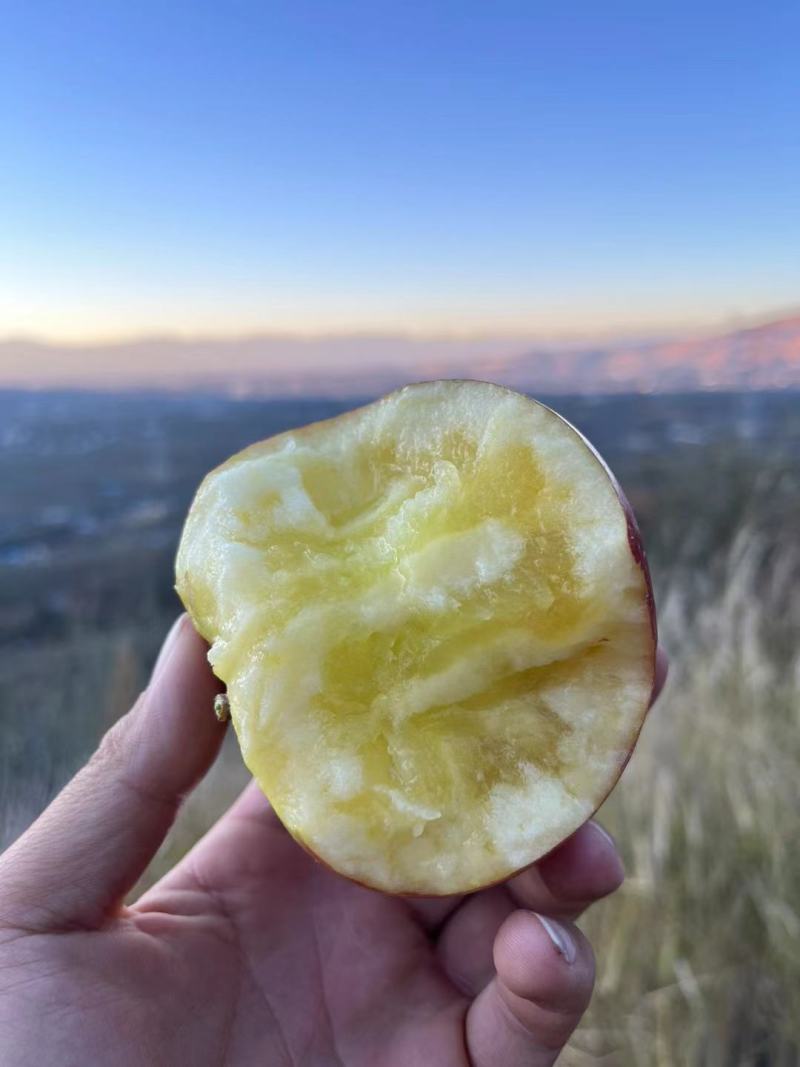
(761, 357)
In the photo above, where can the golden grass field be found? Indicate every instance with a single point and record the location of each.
(699, 953)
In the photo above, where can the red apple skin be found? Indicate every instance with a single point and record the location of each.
(637, 551)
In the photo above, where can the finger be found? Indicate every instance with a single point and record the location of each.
(77, 861)
(466, 944)
(525, 1015)
(433, 912)
(581, 870)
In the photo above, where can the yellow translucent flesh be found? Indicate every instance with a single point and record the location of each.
(434, 635)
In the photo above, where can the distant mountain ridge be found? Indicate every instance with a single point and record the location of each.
(760, 357)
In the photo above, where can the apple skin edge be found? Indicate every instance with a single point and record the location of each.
(637, 548)
(637, 551)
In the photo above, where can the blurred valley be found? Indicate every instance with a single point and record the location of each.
(95, 486)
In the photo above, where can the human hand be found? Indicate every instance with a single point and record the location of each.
(248, 951)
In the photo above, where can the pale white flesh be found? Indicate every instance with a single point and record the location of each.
(435, 635)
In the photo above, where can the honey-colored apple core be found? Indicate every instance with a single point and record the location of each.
(435, 635)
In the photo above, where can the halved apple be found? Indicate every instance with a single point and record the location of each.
(435, 622)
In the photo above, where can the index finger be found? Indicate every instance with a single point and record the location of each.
(75, 864)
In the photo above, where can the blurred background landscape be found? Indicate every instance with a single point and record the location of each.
(217, 223)
(699, 955)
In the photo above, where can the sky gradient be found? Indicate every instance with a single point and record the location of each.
(460, 167)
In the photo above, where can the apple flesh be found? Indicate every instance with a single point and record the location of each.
(435, 623)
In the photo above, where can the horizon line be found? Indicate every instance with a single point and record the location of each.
(657, 330)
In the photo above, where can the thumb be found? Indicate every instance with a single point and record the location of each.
(544, 979)
(75, 864)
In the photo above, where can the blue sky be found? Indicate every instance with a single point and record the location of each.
(479, 167)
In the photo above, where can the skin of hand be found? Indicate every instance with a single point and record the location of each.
(248, 952)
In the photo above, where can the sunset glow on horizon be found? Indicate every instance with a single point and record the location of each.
(548, 329)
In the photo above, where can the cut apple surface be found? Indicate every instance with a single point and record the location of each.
(435, 624)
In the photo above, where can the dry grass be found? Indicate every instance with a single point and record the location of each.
(699, 955)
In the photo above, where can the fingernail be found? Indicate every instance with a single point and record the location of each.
(604, 834)
(560, 937)
(167, 646)
(613, 865)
